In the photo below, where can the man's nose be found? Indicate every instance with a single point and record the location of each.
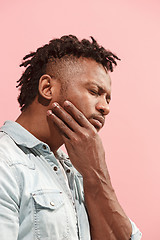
(103, 107)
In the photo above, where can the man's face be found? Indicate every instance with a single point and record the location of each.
(89, 89)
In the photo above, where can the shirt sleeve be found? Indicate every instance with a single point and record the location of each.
(9, 203)
(136, 234)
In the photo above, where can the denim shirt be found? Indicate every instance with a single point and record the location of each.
(41, 195)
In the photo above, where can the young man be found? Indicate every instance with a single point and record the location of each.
(64, 97)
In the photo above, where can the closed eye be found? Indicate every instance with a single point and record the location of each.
(94, 92)
(97, 93)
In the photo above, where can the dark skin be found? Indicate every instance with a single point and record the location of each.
(74, 118)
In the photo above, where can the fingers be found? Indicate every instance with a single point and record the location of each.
(76, 114)
(64, 129)
(69, 119)
(64, 121)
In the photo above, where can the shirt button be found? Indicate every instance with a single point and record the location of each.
(68, 171)
(55, 168)
(52, 203)
(44, 147)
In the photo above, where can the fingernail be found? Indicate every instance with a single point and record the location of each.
(67, 103)
(55, 104)
(49, 112)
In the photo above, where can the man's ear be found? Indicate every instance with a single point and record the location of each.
(45, 87)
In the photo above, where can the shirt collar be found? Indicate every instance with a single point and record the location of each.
(19, 134)
(24, 138)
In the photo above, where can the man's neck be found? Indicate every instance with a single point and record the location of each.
(36, 122)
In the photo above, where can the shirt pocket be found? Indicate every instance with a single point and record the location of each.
(50, 216)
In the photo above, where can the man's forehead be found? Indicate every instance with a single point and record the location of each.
(84, 69)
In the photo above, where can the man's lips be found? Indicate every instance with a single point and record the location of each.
(98, 121)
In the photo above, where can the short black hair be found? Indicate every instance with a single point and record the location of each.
(69, 45)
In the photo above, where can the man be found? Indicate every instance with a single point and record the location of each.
(64, 97)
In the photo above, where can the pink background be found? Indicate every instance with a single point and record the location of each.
(132, 132)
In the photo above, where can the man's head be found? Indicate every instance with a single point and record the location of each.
(60, 59)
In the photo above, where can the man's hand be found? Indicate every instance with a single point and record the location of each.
(81, 139)
(86, 152)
